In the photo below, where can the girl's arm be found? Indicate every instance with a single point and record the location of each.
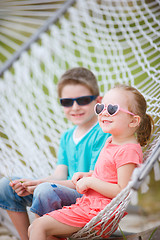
(78, 175)
(105, 188)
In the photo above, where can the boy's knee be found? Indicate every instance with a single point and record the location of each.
(4, 182)
(4, 186)
(42, 190)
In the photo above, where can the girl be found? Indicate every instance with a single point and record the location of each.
(123, 114)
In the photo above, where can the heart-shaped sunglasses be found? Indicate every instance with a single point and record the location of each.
(111, 109)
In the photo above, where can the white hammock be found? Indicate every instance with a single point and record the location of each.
(117, 40)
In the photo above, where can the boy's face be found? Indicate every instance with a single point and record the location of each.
(79, 115)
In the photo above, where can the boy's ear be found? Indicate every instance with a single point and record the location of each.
(135, 121)
(99, 99)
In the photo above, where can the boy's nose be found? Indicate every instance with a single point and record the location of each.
(75, 105)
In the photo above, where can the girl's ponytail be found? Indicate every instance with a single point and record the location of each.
(139, 108)
(145, 129)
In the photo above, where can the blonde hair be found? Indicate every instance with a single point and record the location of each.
(139, 108)
(79, 75)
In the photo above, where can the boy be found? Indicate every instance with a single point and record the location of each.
(78, 152)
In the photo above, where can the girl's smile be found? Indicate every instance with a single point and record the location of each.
(106, 121)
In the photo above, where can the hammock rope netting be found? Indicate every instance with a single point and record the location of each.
(119, 41)
(19, 20)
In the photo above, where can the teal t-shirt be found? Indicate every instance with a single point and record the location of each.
(81, 157)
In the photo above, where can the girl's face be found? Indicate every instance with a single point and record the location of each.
(79, 115)
(118, 124)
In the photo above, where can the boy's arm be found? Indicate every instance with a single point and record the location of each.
(60, 173)
(30, 186)
(24, 187)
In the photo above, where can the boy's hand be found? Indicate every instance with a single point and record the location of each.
(24, 187)
(17, 186)
(83, 185)
(30, 185)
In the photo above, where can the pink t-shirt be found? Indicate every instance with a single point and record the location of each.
(110, 159)
(114, 156)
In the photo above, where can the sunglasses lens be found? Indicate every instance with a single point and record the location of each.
(84, 100)
(99, 108)
(66, 102)
(112, 109)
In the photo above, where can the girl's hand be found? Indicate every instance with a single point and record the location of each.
(83, 184)
(78, 175)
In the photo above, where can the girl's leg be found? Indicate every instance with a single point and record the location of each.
(36, 215)
(46, 226)
(21, 222)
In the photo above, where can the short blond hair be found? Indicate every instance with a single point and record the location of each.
(79, 75)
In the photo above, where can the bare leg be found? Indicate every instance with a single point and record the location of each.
(21, 223)
(49, 237)
(46, 226)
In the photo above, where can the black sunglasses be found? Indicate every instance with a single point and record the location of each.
(68, 102)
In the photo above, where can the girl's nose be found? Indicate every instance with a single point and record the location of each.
(105, 113)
